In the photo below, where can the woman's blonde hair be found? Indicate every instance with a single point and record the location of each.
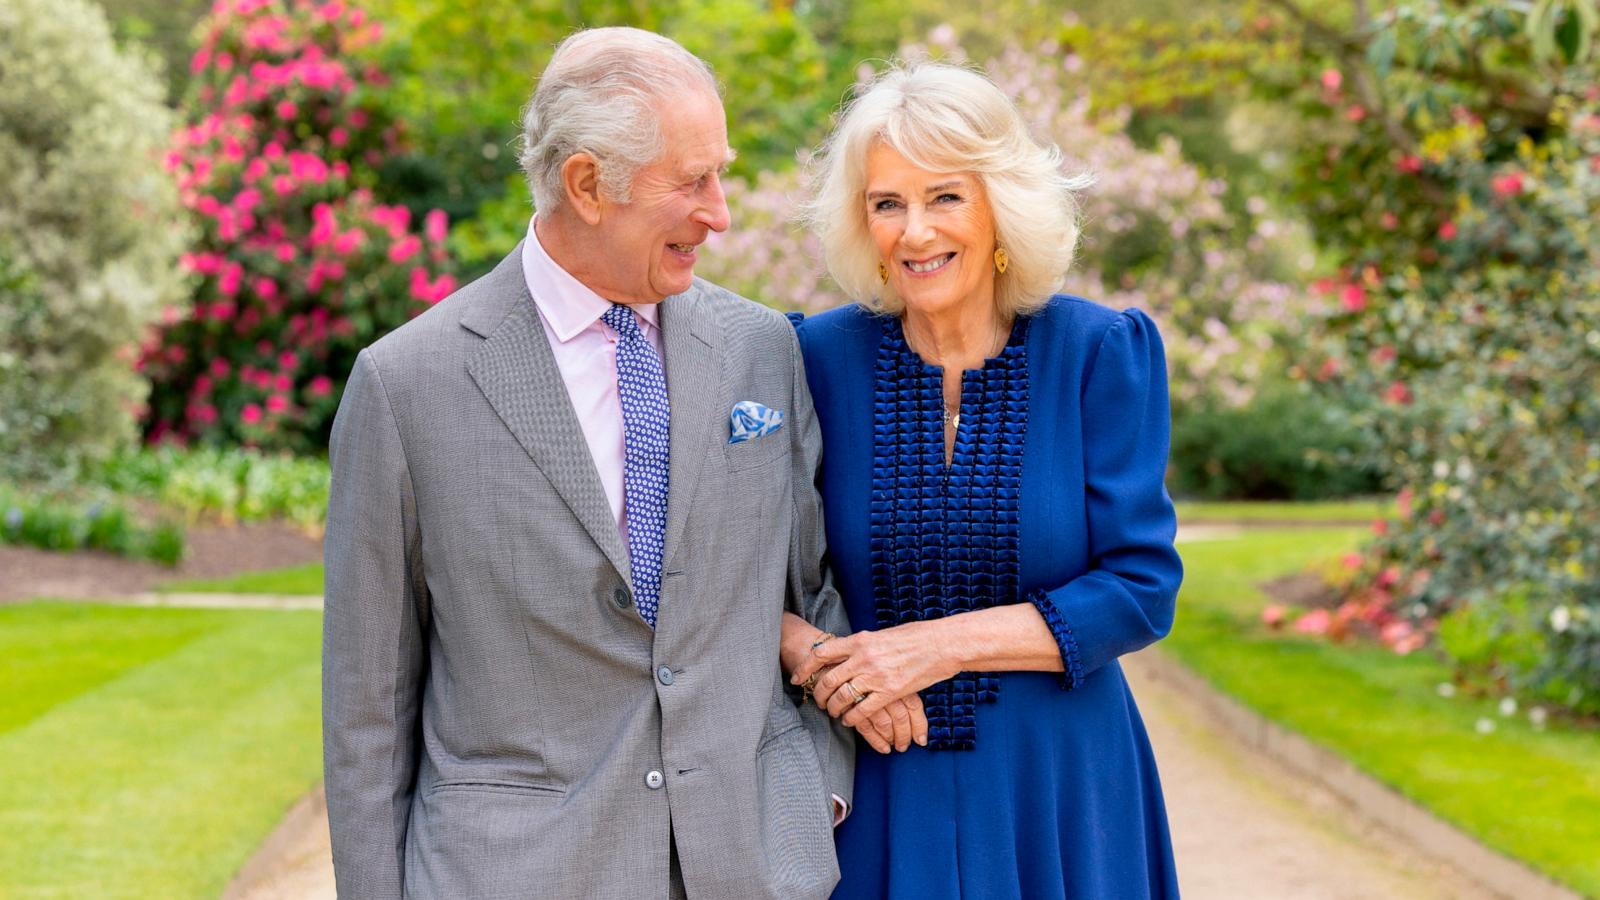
(944, 118)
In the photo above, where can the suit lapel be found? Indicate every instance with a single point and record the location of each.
(692, 345)
(517, 373)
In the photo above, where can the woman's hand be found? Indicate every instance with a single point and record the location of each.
(880, 667)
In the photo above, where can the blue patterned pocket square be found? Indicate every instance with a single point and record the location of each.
(752, 420)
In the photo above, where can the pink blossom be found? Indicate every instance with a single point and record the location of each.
(1397, 393)
(224, 61)
(435, 225)
(1332, 79)
(1353, 298)
(288, 360)
(358, 118)
(1436, 517)
(1388, 221)
(251, 414)
(282, 382)
(1507, 185)
(1410, 643)
(220, 368)
(200, 60)
(1403, 501)
(1384, 354)
(348, 242)
(277, 403)
(1313, 622)
(222, 310)
(247, 199)
(283, 185)
(1410, 164)
(1273, 616)
(286, 109)
(404, 249)
(266, 288)
(255, 169)
(1356, 112)
(320, 386)
(1447, 231)
(1380, 527)
(338, 136)
(1351, 561)
(286, 252)
(229, 281)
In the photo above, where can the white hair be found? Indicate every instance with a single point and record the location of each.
(944, 118)
(599, 95)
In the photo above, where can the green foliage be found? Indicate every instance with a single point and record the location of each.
(89, 235)
(226, 485)
(148, 752)
(52, 521)
(1286, 443)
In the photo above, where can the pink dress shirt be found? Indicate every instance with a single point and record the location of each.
(585, 349)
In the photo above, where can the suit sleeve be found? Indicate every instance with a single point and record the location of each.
(1127, 598)
(373, 651)
(811, 594)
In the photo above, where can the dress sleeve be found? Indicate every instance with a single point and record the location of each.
(1127, 598)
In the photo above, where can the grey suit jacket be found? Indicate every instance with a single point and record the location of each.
(498, 719)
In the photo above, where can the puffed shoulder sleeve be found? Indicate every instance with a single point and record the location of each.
(1127, 598)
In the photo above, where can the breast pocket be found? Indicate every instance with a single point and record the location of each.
(758, 452)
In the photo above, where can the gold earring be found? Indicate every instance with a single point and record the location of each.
(883, 273)
(1001, 260)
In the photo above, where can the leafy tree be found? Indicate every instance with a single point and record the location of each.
(89, 235)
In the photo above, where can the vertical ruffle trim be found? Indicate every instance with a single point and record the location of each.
(944, 539)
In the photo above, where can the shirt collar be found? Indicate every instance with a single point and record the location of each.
(569, 305)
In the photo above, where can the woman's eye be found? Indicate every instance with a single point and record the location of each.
(948, 198)
(884, 205)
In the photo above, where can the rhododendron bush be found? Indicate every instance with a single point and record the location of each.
(1450, 162)
(299, 262)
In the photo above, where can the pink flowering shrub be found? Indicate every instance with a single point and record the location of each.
(298, 264)
(1456, 197)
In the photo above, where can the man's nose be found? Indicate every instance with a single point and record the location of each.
(714, 214)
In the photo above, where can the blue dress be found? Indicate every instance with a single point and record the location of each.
(1034, 785)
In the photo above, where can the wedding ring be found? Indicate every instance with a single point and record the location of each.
(855, 692)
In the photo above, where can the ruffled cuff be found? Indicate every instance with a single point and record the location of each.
(1072, 665)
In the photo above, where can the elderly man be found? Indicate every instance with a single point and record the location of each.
(570, 505)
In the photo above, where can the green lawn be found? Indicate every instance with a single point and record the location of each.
(306, 579)
(147, 752)
(1532, 794)
(1330, 511)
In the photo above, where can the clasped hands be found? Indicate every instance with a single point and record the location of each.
(869, 680)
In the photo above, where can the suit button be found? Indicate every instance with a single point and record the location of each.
(621, 599)
(653, 780)
(664, 674)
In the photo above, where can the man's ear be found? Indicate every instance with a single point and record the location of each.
(580, 181)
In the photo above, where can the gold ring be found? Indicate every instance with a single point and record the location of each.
(855, 692)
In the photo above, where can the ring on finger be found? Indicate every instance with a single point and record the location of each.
(855, 693)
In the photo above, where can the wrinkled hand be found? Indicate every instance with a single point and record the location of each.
(897, 726)
(883, 666)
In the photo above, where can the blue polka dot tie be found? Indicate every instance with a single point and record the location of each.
(642, 385)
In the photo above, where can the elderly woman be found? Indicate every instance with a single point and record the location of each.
(996, 518)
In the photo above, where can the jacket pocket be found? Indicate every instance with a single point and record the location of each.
(494, 786)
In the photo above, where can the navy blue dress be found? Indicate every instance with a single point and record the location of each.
(1034, 785)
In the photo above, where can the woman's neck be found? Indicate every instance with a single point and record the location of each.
(956, 339)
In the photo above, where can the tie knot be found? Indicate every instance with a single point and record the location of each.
(622, 320)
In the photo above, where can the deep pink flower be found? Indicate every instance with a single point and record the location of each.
(286, 109)
(1507, 185)
(1353, 298)
(1332, 79)
(1410, 164)
(266, 288)
(282, 382)
(220, 367)
(1273, 616)
(435, 225)
(251, 414)
(404, 249)
(289, 360)
(1447, 231)
(1397, 393)
(338, 136)
(320, 386)
(1313, 622)
(277, 403)
(1356, 112)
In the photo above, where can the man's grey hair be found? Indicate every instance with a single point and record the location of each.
(600, 95)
